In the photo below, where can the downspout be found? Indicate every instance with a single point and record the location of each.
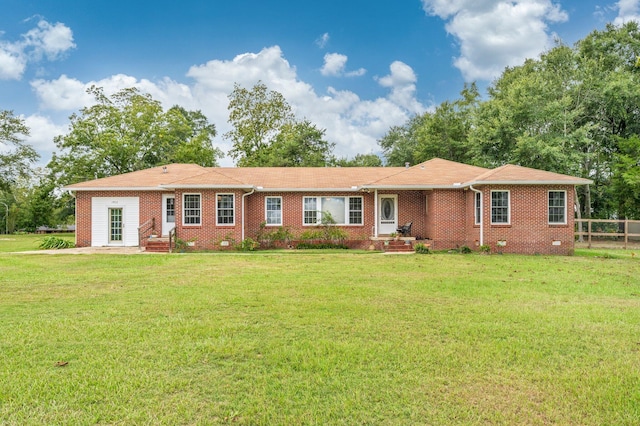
(477, 191)
(243, 209)
(375, 215)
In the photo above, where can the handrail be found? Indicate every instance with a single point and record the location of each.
(173, 235)
(142, 231)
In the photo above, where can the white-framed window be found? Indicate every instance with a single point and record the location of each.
(191, 209)
(343, 210)
(273, 210)
(477, 208)
(558, 207)
(500, 209)
(225, 209)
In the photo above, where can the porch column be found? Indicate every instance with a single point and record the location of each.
(375, 213)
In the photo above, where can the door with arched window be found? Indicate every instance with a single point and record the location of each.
(387, 214)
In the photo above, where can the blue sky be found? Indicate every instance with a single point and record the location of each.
(353, 67)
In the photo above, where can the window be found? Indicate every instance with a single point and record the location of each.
(478, 208)
(191, 209)
(343, 210)
(273, 210)
(355, 210)
(500, 207)
(558, 207)
(224, 207)
(171, 210)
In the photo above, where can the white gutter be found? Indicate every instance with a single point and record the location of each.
(243, 210)
(477, 191)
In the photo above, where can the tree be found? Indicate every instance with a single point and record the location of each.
(360, 160)
(400, 144)
(445, 132)
(626, 178)
(265, 132)
(16, 162)
(130, 131)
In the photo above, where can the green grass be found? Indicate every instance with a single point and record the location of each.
(27, 242)
(319, 338)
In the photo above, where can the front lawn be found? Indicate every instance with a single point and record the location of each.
(319, 338)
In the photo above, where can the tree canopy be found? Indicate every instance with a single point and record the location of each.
(573, 110)
(130, 131)
(266, 133)
(16, 157)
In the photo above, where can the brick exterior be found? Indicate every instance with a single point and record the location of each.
(445, 216)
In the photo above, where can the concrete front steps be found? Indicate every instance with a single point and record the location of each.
(158, 245)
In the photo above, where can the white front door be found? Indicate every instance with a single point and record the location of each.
(168, 213)
(387, 214)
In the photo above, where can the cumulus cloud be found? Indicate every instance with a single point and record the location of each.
(495, 34)
(322, 41)
(628, 10)
(354, 124)
(50, 41)
(334, 65)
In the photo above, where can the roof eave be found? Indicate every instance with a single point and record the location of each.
(530, 182)
(351, 189)
(114, 188)
(206, 186)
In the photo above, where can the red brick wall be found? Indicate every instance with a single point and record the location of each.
(445, 216)
(529, 231)
(292, 212)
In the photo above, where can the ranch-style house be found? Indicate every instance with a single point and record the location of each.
(509, 209)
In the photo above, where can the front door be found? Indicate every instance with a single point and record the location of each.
(168, 213)
(115, 226)
(387, 214)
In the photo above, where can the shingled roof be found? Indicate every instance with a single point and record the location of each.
(435, 173)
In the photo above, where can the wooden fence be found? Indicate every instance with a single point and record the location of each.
(608, 230)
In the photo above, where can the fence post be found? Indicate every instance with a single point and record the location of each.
(589, 232)
(626, 232)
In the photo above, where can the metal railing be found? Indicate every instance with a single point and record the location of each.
(143, 230)
(173, 235)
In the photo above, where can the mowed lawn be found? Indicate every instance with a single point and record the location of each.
(319, 338)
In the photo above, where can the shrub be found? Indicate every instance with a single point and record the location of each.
(248, 244)
(485, 248)
(465, 250)
(52, 242)
(421, 248)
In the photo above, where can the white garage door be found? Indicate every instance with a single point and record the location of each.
(115, 221)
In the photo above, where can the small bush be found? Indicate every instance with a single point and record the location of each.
(248, 244)
(421, 248)
(465, 250)
(485, 248)
(51, 242)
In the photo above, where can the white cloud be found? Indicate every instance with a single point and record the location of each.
(46, 40)
(334, 65)
(628, 10)
(42, 133)
(322, 40)
(352, 123)
(495, 34)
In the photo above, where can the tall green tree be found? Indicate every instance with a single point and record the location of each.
(400, 144)
(360, 160)
(16, 157)
(445, 132)
(266, 133)
(130, 131)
